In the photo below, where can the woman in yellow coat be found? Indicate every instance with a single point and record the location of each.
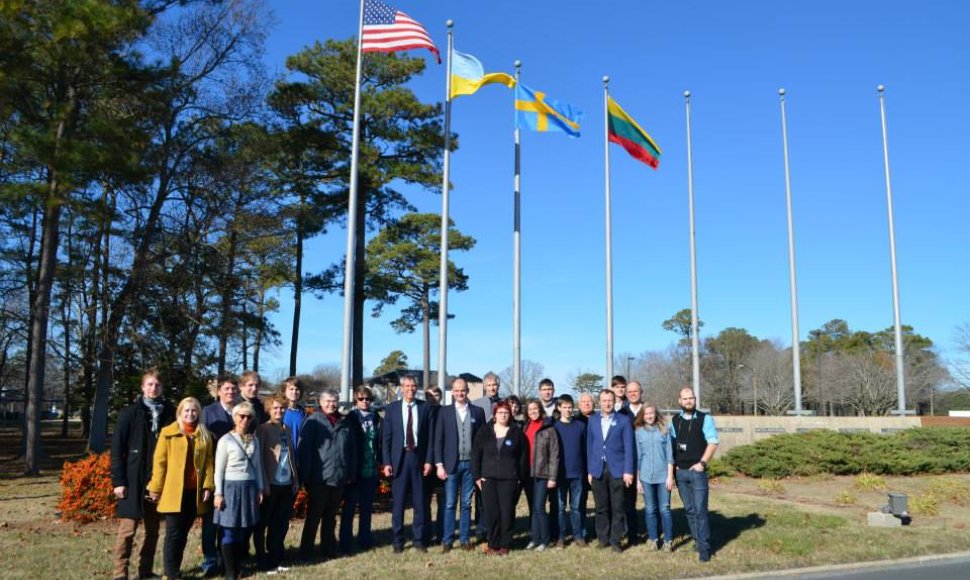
(182, 478)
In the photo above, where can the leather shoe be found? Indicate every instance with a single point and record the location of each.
(445, 548)
(467, 547)
(617, 549)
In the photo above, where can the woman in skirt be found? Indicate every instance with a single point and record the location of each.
(240, 486)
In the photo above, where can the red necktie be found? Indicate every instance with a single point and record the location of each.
(409, 436)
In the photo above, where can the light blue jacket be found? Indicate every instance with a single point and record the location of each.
(654, 454)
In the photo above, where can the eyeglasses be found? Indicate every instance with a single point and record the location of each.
(247, 417)
(368, 399)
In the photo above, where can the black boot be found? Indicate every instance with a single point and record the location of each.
(230, 560)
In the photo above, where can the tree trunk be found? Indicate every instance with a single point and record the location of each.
(38, 330)
(258, 339)
(297, 286)
(31, 281)
(225, 315)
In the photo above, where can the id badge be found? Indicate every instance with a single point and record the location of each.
(682, 447)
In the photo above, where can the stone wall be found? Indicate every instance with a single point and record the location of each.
(742, 430)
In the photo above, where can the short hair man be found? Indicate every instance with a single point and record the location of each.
(694, 443)
(132, 448)
(610, 463)
(327, 462)
(572, 450)
(405, 448)
(455, 430)
(295, 414)
(249, 383)
(490, 384)
(587, 406)
(547, 397)
(618, 386)
(634, 402)
(217, 418)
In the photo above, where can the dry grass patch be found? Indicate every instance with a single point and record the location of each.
(771, 486)
(870, 482)
(846, 498)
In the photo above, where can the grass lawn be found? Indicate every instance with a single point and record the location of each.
(754, 528)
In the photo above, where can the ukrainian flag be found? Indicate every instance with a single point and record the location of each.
(535, 111)
(468, 75)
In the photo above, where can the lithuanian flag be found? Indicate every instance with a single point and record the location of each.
(624, 131)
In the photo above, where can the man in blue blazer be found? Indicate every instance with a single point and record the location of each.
(407, 459)
(610, 452)
(454, 432)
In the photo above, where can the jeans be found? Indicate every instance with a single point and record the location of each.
(360, 494)
(572, 490)
(462, 480)
(542, 529)
(692, 486)
(657, 498)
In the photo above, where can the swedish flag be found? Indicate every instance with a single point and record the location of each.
(535, 111)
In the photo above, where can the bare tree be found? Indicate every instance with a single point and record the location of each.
(866, 382)
(662, 375)
(769, 372)
(532, 373)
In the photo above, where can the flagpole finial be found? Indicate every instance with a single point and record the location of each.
(517, 63)
(449, 23)
(781, 92)
(881, 88)
(686, 94)
(606, 80)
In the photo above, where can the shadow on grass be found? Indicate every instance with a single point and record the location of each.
(724, 529)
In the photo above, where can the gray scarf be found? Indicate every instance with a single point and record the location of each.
(155, 406)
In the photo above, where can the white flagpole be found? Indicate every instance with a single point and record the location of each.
(694, 341)
(900, 378)
(609, 232)
(349, 321)
(795, 344)
(517, 260)
(445, 187)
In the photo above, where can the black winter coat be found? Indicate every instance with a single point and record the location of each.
(132, 451)
(508, 461)
(327, 453)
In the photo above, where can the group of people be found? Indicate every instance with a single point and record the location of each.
(239, 462)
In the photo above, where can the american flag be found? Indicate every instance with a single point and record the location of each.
(387, 29)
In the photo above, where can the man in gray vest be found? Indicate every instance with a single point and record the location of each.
(454, 432)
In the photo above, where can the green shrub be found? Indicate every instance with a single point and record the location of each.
(718, 468)
(869, 482)
(846, 497)
(929, 450)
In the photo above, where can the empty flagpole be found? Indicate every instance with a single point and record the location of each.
(795, 344)
(349, 321)
(445, 188)
(694, 342)
(517, 260)
(609, 231)
(900, 379)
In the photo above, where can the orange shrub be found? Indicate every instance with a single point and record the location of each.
(86, 491)
(300, 505)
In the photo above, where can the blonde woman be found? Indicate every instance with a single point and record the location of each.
(655, 472)
(240, 487)
(182, 478)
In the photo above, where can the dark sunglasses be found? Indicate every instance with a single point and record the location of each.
(369, 399)
(242, 416)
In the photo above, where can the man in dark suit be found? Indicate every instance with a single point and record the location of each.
(217, 418)
(610, 452)
(407, 426)
(455, 430)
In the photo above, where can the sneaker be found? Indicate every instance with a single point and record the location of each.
(540, 548)
(579, 542)
(667, 547)
(560, 543)
(652, 545)
(531, 546)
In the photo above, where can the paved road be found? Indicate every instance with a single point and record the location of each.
(941, 567)
(938, 570)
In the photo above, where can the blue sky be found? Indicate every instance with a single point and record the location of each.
(733, 57)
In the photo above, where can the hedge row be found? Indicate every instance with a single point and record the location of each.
(930, 450)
